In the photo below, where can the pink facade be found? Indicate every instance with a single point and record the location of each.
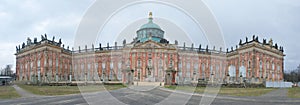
(148, 58)
(48, 61)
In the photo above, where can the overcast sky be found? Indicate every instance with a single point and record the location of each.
(276, 19)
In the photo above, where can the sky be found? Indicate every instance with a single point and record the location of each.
(276, 19)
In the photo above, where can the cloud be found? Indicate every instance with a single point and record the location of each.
(6, 54)
(276, 19)
(31, 18)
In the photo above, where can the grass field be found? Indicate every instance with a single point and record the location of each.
(294, 92)
(64, 90)
(8, 92)
(225, 91)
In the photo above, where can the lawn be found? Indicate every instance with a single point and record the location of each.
(294, 92)
(225, 91)
(8, 92)
(64, 90)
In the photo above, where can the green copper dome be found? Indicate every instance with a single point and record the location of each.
(150, 23)
(150, 31)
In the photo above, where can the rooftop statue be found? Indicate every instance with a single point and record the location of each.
(240, 42)
(53, 38)
(45, 36)
(42, 38)
(256, 39)
(124, 42)
(59, 42)
(264, 41)
(199, 47)
(29, 41)
(271, 42)
(23, 45)
(35, 40)
(17, 50)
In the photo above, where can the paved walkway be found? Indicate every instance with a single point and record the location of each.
(154, 96)
(279, 93)
(23, 92)
(145, 86)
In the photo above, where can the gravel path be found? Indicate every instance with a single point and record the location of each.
(23, 92)
(279, 93)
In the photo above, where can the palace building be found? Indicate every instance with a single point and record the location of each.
(150, 57)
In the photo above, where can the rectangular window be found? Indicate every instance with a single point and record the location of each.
(39, 63)
(149, 62)
(56, 63)
(111, 65)
(50, 62)
(203, 70)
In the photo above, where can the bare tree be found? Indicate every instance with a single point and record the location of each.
(7, 71)
(293, 76)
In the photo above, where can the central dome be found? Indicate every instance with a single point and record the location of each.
(150, 24)
(150, 31)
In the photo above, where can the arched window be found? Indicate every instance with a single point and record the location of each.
(188, 66)
(75, 71)
(50, 62)
(45, 62)
(203, 70)
(171, 63)
(242, 63)
(160, 63)
(249, 64)
(103, 65)
(111, 74)
(260, 68)
(278, 68)
(88, 71)
(180, 65)
(222, 70)
(82, 67)
(70, 68)
(268, 65)
(139, 63)
(103, 71)
(196, 68)
(249, 68)
(119, 65)
(31, 65)
(82, 73)
(66, 66)
(39, 64)
(242, 71)
(217, 71)
(89, 67)
(273, 66)
(21, 72)
(111, 65)
(56, 63)
(211, 69)
(232, 71)
(120, 71)
(150, 62)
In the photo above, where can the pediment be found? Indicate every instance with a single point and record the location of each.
(150, 44)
